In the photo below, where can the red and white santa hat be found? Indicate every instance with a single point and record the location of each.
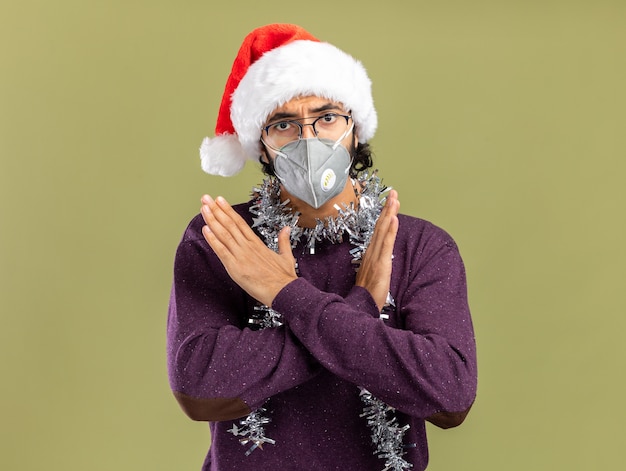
(276, 63)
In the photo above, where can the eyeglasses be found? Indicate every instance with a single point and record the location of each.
(328, 126)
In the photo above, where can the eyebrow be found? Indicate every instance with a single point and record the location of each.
(325, 107)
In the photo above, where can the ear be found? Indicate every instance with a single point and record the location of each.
(263, 158)
(266, 154)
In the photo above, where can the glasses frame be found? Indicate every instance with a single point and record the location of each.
(300, 125)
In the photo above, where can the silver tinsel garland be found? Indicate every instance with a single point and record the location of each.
(387, 434)
(252, 430)
(270, 215)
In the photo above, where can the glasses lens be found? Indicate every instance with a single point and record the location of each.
(282, 133)
(331, 126)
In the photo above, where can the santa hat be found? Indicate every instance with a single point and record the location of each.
(275, 64)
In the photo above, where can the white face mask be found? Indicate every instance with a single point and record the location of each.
(313, 170)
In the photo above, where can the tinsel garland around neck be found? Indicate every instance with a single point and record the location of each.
(270, 215)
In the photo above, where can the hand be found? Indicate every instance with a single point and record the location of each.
(375, 271)
(260, 271)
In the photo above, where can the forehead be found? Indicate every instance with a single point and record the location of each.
(304, 106)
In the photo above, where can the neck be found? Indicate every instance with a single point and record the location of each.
(310, 215)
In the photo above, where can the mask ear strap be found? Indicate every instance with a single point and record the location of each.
(278, 152)
(343, 136)
(271, 162)
(350, 166)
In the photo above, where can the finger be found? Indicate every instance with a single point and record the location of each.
(220, 249)
(388, 215)
(226, 224)
(219, 208)
(388, 235)
(382, 228)
(218, 234)
(208, 211)
(207, 215)
(285, 250)
(390, 240)
(395, 208)
(284, 242)
(385, 232)
(212, 215)
(394, 202)
(237, 226)
(205, 209)
(392, 205)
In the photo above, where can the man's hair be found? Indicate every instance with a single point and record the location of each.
(361, 161)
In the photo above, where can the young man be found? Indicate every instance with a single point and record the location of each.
(314, 327)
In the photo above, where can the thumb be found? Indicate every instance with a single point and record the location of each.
(284, 242)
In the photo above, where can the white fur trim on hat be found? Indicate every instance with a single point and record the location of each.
(222, 155)
(300, 68)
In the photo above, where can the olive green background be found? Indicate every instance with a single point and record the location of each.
(503, 122)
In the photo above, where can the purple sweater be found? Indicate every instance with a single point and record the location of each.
(306, 373)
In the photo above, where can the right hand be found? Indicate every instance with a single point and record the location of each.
(260, 271)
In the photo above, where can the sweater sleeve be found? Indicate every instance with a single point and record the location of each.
(219, 369)
(424, 364)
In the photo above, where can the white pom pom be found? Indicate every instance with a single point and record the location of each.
(222, 155)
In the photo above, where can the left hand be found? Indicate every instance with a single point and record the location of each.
(260, 271)
(375, 271)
